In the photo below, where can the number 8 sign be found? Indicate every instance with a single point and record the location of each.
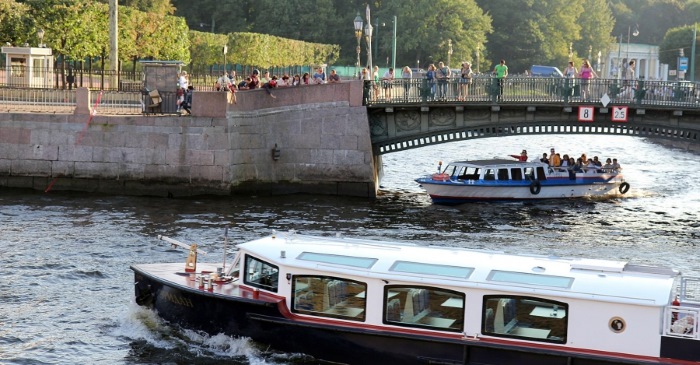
(585, 114)
(619, 113)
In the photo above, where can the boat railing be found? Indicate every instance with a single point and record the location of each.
(681, 321)
(690, 290)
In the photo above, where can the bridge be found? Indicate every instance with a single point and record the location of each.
(406, 114)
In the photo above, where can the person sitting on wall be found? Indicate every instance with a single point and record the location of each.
(270, 85)
(333, 78)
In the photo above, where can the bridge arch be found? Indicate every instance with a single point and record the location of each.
(408, 128)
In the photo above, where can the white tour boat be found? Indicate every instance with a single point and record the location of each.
(497, 179)
(355, 301)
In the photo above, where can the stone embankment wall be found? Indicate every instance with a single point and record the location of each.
(321, 134)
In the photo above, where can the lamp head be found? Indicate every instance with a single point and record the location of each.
(358, 23)
(40, 34)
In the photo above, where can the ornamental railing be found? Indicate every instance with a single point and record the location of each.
(532, 90)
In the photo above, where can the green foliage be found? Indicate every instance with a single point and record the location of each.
(206, 48)
(675, 39)
(270, 51)
(16, 26)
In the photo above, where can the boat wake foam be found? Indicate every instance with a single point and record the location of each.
(147, 332)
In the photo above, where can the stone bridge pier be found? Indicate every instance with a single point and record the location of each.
(311, 139)
(308, 139)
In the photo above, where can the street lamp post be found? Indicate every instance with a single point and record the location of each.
(478, 55)
(590, 50)
(393, 47)
(449, 52)
(358, 34)
(40, 35)
(224, 51)
(368, 39)
(598, 64)
(571, 51)
(635, 33)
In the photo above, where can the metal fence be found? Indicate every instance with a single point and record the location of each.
(531, 90)
(37, 100)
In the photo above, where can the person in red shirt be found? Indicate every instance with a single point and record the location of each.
(521, 157)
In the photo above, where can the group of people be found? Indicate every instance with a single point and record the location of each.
(437, 77)
(580, 164)
(586, 73)
(228, 82)
(184, 93)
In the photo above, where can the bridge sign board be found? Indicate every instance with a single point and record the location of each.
(585, 113)
(619, 113)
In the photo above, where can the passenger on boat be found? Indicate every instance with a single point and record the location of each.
(597, 162)
(544, 158)
(584, 159)
(590, 167)
(616, 166)
(554, 159)
(521, 157)
(578, 165)
(565, 161)
(608, 165)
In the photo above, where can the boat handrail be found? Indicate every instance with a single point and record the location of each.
(681, 321)
(175, 242)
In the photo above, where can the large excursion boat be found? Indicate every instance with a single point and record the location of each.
(354, 301)
(479, 180)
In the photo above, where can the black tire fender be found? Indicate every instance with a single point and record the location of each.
(624, 187)
(535, 187)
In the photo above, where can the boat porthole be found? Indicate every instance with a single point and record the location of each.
(617, 325)
(535, 187)
(624, 187)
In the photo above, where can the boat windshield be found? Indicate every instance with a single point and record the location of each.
(468, 173)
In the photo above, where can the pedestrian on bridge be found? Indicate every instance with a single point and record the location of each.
(501, 71)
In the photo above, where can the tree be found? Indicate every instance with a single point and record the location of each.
(596, 23)
(531, 32)
(162, 7)
(675, 40)
(16, 26)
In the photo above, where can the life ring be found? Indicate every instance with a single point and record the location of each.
(624, 187)
(441, 177)
(535, 187)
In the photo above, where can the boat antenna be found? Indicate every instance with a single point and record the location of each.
(225, 244)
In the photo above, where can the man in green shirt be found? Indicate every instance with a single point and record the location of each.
(501, 71)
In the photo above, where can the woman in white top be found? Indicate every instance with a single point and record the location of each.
(406, 75)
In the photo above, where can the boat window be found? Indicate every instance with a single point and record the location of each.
(361, 262)
(530, 173)
(530, 279)
(490, 174)
(530, 318)
(424, 307)
(502, 174)
(261, 274)
(325, 296)
(432, 269)
(540, 173)
(516, 174)
(469, 173)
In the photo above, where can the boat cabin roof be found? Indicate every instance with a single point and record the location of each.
(497, 163)
(591, 279)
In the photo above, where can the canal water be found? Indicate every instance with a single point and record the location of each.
(66, 292)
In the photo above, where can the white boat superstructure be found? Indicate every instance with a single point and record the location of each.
(463, 181)
(612, 311)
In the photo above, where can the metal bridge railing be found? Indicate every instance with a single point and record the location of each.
(533, 90)
(117, 102)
